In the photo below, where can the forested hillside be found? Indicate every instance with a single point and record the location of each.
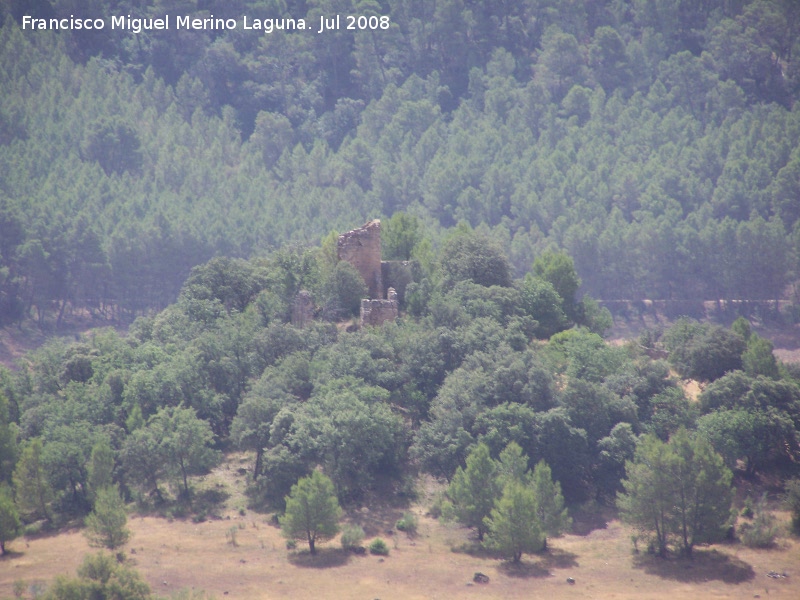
(479, 360)
(655, 141)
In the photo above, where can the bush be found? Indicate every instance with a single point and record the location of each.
(792, 500)
(230, 536)
(378, 546)
(352, 537)
(762, 531)
(407, 523)
(747, 509)
(441, 508)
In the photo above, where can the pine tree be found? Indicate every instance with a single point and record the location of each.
(106, 525)
(312, 511)
(549, 502)
(9, 520)
(33, 491)
(474, 490)
(514, 527)
(101, 467)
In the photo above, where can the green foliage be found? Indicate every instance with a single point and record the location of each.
(558, 269)
(550, 510)
(484, 130)
(650, 153)
(343, 291)
(185, 442)
(379, 547)
(540, 300)
(399, 236)
(352, 537)
(681, 488)
(762, 530)
(407, 523)
(741, 326)
(312, 512)
(512, 465)
(105, 526)
(8, 441)
(114, 145)
(473, 490)
(467, 255)
(614, 451)
(101, 467)
(513, 526)
(704, 352)
(792, 501)
(174, 442)
(10, 525)
(750, 418)
(100, 576)
(31, 487)
(758, 358)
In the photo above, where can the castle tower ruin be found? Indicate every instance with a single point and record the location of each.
(362, 248)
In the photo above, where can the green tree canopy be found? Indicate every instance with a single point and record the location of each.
(105, 525)
(474, 490)
(469, 255)
(677, 490)
(312, 511)
(514, 527)
(100, 576)
(9, 520)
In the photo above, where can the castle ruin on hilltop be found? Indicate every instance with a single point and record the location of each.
(386, 280)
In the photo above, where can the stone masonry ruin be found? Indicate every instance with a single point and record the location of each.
(386, 280)
(376, 311)
(362, 248)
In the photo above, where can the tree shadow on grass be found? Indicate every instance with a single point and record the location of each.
(586, 519)
(704, 566)
(10, 555)
(325, 558)
(524, 569)
(476, 550)
(377, 521)
(555, 558)
(543, 566)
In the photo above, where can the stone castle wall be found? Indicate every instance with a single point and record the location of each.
(376, 311)
(362, 248)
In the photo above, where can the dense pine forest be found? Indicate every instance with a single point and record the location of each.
(655, 141)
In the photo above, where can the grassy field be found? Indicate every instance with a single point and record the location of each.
(439, 562)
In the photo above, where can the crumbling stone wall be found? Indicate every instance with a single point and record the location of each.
(376, 311)
(362, 248)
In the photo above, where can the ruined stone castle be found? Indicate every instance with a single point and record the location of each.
(386, 280)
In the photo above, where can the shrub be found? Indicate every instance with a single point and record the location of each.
(792, 500)
(291, 544)
(762, 531)
(230, 535)
(747, 509)
(441, 507)
(378, 546)
(352, 537)
(407, 523)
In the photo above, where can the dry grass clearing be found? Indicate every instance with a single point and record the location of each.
(182, 554)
